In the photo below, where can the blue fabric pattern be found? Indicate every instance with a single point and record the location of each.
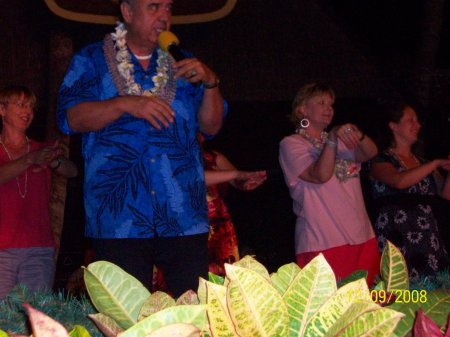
(140, 182)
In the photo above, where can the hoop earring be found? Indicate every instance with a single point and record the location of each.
(304, 123)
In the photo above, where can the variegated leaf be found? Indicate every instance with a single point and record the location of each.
(44, 325)
(336, 306)
(114, 292)
(250, 262)
(379, 322)
(188, 314)
(313, 285)
(177, 330)
(155, 302)
(201, 292)
(284, 276)
(435, 304)
(188, 297)
(106, 324)
(394, 271)
(255, 306)
(220, 322)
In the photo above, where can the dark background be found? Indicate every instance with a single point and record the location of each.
(263, 51)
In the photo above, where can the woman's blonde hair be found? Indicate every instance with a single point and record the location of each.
(17, 92)
(305, 93)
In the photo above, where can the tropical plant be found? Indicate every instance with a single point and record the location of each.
(249, 301)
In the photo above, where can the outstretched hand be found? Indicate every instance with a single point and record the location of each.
(42, 157)
(248, 181)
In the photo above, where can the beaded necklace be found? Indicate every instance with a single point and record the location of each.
(24, 193)
(318, 144)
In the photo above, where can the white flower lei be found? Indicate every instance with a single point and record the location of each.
(126, 67)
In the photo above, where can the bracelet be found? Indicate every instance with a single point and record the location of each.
(59, 160)
(213, 85)
(331, 143)
(363, 135)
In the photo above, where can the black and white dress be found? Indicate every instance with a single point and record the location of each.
(406, 218)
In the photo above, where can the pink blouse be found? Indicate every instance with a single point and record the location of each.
(331, 214)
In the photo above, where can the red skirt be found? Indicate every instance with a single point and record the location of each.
(346, 259)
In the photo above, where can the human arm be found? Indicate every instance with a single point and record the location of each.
(388, 174)
(227, 172)
(95, 115)
(39, 159)
(210, 114)
(354, 138)
(64, 167)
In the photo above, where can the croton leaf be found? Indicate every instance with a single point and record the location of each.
(255, 306)
(435, 304)
(284, 276)
(332, 310)
(177, 330)
(114, 292)
(251, 263)
(155, 302)
(366, 319)
(106, 325)
(79, 331)
(220, 322)
(425, 327)
(312, 286)
(188, 297)
(188, 314)
(44, 326)
(394, 271)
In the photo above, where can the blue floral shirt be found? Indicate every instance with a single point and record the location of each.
(140, 182)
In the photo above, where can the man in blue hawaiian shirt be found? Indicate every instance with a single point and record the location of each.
(139, 111)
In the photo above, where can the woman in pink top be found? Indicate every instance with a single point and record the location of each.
(321, 171)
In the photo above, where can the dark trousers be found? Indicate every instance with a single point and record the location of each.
(182, 259)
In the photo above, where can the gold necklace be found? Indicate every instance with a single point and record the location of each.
(24, 193)
(400, 160)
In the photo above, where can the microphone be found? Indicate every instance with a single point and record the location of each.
(168, 42)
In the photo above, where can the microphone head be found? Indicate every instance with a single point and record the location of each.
(166, 39)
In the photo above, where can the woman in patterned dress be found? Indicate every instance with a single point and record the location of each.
(219, 172)
(404, 188)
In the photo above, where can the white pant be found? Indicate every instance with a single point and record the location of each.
(32, 267)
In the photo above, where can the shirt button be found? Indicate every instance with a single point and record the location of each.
(152, 160)
(153, 192)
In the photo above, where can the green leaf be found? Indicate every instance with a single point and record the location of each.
(251, 263)
(3, 334)
(380, 286)
(313, 285)
(255, 306)
(188, 297)
(356, 275)
(336, 306)
(156, 302)
(367, 319)
(79, 331)
(217, 279)
(189, 314)
(177, 330)
(394, 271)
(114, 292)
(220, 322)
(201, 292)
(106, 324)
(284, 276)
(435, 304)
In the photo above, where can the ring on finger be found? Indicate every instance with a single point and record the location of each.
(348, 130)
(192, 73)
